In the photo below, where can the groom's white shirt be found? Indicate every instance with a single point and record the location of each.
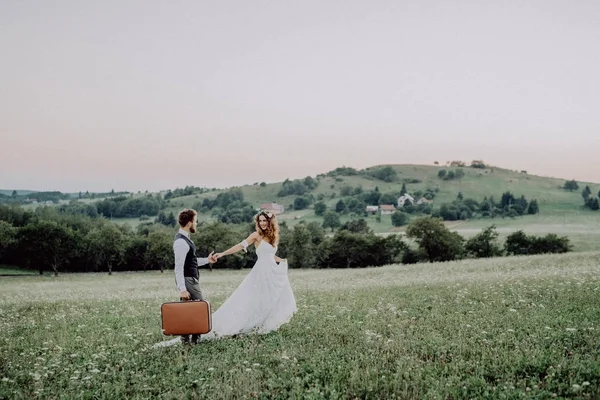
(181, 248)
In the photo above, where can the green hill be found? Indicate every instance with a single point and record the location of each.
(476, 184)
(561, 211)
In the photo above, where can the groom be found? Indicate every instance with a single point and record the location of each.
(186, 263)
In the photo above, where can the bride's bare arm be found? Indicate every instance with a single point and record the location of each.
(240, 246)
(278, 259)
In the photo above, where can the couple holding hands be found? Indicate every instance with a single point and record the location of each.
(261, 303)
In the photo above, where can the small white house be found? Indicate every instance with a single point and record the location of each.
(372, 209)
(402, 200)
(387, 209)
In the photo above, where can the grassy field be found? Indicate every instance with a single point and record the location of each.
(505, 328)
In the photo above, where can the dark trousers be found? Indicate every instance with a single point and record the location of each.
(192, 285)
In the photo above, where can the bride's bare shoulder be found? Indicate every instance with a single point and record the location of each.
(254, 237)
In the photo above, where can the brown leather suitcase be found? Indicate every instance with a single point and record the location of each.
(186, 317)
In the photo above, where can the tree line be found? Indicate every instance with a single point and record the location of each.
(47, 240)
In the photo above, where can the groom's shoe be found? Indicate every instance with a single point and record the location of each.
(185, 340)
(195, 339)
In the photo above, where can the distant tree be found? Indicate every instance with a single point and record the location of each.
(459, 174)
(442, 173)
(14, 193)
(357, 226)
(317, 233)
(354, 250)
(310, 182)
(477, 164)
(507, 199)
(484, 244)
(106, 246)
(449, 212)
(459, 196)
(518, 243)
(436, 242)
(340, 206)
(521, 205)
(486, 207)
(372, 197)
(387, 174)
(346, 190)
(159, 254)
(331, 220)
(533, 207)
(170, 220)
(571, 185)
(300, 203)
(355, 205)
(320, 208)
(134, 256)
(399, 218)
(8, 239)
(586, 193)
(301, 251)
(263, 184)
(592, 203)
(161, 218)
(403, 190)
(388, 198)
(49, 243)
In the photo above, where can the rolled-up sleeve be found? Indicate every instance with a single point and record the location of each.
(202, 261)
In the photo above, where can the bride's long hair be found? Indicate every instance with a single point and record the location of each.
(272, 231)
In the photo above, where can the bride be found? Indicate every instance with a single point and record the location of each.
(264, 300)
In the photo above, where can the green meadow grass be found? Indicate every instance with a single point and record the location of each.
(504, 328)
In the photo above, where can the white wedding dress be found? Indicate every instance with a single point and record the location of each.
(261, 303)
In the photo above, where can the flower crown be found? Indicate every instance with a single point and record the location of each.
(267, 214)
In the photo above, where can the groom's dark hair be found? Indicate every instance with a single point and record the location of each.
(186, 216)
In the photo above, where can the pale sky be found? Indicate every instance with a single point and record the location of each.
(150, 95)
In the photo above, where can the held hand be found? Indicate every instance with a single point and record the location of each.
(185, 295)
(212, 258)
(218, 255)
